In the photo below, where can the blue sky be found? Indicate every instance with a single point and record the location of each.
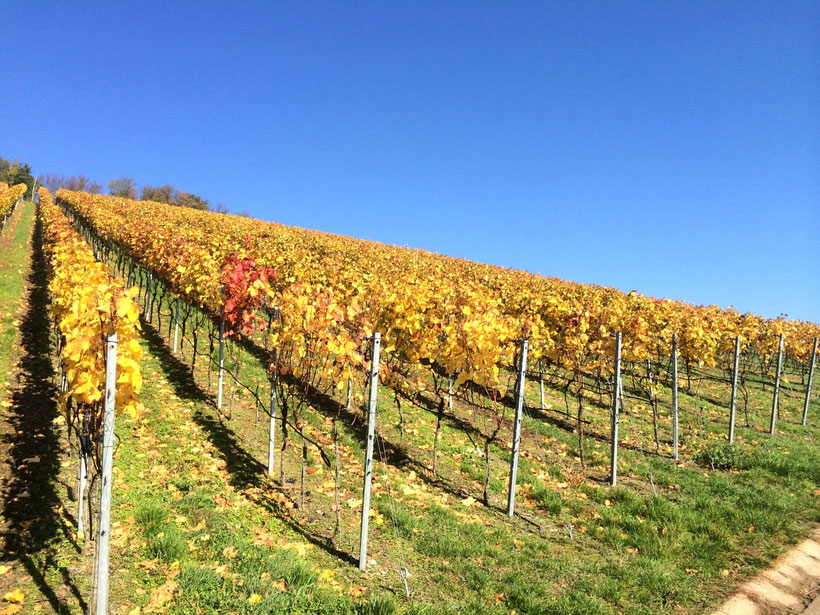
(667, 147)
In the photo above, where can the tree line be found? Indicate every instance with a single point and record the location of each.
(15, 172)
(126, 187)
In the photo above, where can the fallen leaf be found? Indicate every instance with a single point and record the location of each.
(199, 526)
(254, 599)
(280, 585)
(15, 596)
(173, 570)
(161, 595)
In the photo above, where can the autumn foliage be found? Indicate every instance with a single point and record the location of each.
(432, 310)
(246, 287)
(9, 195)
(87, 306)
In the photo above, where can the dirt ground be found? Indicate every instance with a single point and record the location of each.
(791, 586)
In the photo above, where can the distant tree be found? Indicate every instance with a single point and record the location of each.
(76, 183)
(244, 213)
(81, 183)
(123, 187)
(162, 194)
(186, 199)
(51, 181)
(18, 173)
(219, 208)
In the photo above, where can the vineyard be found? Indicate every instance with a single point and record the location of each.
(311, 423)
(10, 197)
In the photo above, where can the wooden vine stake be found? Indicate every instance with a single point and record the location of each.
(733, 405)
(221, 361)
(82, 475)
(176, 324)
(368, 459)
(616, 410)
(104, 536)
(274, 376)
(776, 396)
(675, 397)
(272, 430)
(516, 443)
(808, 386)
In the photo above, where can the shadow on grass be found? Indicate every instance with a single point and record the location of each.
(30, 498)
(244, 470)
(247, 472)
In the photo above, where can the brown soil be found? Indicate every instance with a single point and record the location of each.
(789, 587)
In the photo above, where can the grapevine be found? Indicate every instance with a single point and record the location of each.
(88, 305)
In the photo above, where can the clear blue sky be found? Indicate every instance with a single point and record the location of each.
(668, 147)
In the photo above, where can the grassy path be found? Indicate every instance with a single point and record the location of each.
(40, 556)
(14, 262)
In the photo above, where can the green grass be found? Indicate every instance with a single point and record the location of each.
(632, 551)
(637, 553)
(14, 256)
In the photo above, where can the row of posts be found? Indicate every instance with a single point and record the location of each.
(103, 542)
(108, 429)
(519, 404)
(520, 397)
(733, 404)
(516, 444)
